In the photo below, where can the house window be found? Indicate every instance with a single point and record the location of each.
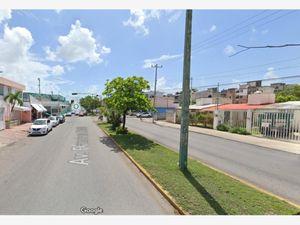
(1, 90)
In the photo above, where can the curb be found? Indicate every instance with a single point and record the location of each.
(251, 185)
(226, 138)
(236, 178)
(164, 193)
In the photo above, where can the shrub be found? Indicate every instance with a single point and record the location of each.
(243, 131)
(193, 119)
(120, 130)
(238, 130)
(223, 127)
(234, 130)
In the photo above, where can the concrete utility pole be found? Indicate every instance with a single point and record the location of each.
(218, 96)
(156, 66)
(184, 127)
(39, 85)
(39, 88)
(191, 91)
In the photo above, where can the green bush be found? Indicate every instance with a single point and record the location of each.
(238, 130)
(223, 127)
(120, 130)
(234, 130)
(193, 119)
(243, 131)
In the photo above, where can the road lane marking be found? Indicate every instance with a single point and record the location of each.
(81, 155)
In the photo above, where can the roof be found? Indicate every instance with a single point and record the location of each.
(285, 105)
(199, 107)
(236, 107)
(22, 108)
(39, 107)
(10, 83)
(47, 97)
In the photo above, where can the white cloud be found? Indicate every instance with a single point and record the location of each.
(174, 17)
(5, 14)
(149, 62)
(270, 74)
(105, 50)
(19, 64)
(93, 89)
(78, 45)
(229, 50)
(138, 18)
(164, 86)
(58, 70)
(213, 28)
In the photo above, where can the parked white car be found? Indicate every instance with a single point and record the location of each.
(40, 126)
(54, 120)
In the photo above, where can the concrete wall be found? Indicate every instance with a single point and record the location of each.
(259, 99)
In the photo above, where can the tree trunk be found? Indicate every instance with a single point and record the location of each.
(12, 108)
(124, 119)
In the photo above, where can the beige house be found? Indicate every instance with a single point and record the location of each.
(20, 114)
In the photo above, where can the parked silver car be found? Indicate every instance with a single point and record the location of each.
(54, 120)
(40, 126)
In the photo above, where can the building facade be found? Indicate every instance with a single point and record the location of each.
(19, 114)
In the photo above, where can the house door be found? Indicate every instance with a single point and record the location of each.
(2, 122)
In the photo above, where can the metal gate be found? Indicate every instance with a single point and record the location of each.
(281, 124)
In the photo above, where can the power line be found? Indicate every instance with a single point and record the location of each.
(229, 29)
(254, 66)
(241, 82)
(238, 82)
(246, 48)
(260, 71)
(241, 74)
(215, 42)
(207, 46)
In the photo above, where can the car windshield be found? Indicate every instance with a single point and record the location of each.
(39, 122)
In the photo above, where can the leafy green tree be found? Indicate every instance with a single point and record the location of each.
(124, 94)
(90, 103)
(13, 99)
(288, 94)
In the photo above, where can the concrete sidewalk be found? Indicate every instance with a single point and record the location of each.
(262, 142)
(14, 134)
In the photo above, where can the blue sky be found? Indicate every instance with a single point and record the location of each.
(78, 50)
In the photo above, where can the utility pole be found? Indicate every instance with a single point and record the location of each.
(218, 96)
(191, 91)
(39, 88)
(184, 127)
(156, 66)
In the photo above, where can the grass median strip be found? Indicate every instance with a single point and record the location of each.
(200, 190)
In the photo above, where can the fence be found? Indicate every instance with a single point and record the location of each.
(235, 118)
(281, 124)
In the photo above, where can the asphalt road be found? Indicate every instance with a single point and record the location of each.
(73, 166)
(272, 170)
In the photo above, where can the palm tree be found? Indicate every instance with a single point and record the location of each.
(14, 98)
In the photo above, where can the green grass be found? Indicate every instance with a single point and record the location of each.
(201, 190)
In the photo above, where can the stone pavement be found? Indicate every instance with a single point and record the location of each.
(259, 141)
(14, 134)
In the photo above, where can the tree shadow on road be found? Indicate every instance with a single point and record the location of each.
(109, 143)
(206, 195)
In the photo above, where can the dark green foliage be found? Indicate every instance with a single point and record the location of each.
(223, 127)
(121, 130)
(291, 93)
